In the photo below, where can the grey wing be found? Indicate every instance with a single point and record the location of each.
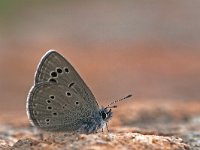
(53, 67)
(55, 107)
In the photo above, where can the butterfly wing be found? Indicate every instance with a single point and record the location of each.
(56, 107)
(54, 68)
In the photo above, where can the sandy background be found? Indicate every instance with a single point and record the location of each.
(148, 48)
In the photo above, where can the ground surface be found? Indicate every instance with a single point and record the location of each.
(135, 125)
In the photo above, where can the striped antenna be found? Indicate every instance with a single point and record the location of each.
(116, 101)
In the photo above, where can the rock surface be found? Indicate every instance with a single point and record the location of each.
(149, 126)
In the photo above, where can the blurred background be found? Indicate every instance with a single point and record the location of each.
(148, 48)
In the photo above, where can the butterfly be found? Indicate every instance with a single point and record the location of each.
(61, 101)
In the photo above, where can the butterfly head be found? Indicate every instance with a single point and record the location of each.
(106, 113)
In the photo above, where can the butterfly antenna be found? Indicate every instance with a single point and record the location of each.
(116, 101)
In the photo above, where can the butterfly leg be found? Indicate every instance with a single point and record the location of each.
(102, 129)
(107, 127)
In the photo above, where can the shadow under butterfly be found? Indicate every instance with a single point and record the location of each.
(61, 101)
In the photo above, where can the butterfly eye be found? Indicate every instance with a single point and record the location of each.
(103, 115)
